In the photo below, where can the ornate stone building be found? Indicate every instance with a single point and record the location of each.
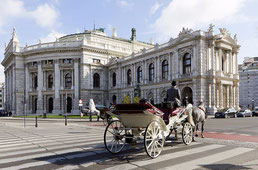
(248, 76)
(52, 77)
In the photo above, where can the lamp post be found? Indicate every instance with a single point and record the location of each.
(252, 104)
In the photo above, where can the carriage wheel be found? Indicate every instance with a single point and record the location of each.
(154, 139)
(107, 120)
(114, 136)
(187, 133)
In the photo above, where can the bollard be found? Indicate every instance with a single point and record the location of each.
(36, 124)
(65, 120)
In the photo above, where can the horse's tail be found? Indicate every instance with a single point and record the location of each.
(189, 111)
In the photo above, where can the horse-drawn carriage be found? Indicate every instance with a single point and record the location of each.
(144, 121)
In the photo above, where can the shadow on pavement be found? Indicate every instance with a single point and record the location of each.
(223, 166)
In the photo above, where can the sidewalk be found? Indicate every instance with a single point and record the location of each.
(51, 119)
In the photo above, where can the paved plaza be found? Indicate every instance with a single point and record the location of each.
(79, 145)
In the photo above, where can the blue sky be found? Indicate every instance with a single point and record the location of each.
(156, 19)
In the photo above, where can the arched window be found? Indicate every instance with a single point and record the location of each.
(68, 80)
(50, 81)
(165, 69)
(114, 79)
(35, 82)
(96, 80)
(129, 77)
(187, 64)
(151, 72)
(139, 74)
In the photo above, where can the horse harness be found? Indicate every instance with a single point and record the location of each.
(203, 111)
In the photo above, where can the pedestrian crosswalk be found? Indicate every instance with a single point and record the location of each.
(85, 150)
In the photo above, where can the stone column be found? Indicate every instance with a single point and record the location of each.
(158, 75)
(76, 88)
(237, 96)
(145, 76)
(228, 93)
(220, 96)
(57, 109)
(220, 60)
(213, 97)
(134, 75)
(234, 96)
(169, 66)
(40, 86)
(119, 77)
(231, 62)
(213, 59)
(27, 87)
(195, 100)
(230, 97)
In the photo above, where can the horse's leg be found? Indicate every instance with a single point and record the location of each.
(202, 129)
(196, 131)
(175, 129)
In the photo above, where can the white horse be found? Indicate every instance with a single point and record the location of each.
(196, 115)
(92, 108)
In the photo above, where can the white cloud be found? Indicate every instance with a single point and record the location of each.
(247, 49)
(155, 7)
(51, 36)
(196, 13)
(124, 3)
(44, 15)
(109, 27)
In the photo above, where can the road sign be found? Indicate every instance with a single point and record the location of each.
(80, 102)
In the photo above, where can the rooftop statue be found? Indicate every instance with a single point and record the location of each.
(211, 28)
(224, 31)
(133, 37)
(185, 31)
(100, 29)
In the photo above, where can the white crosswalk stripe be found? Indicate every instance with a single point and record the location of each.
(209, 159)
(55, 149)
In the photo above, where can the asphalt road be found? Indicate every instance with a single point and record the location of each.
(247, 125)
(79, 145)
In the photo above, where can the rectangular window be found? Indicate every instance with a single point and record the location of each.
(67, 61)
(96, 60)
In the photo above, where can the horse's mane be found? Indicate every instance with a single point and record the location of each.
(201, 105)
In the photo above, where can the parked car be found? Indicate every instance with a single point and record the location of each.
(255, 111)
(244, 113)
(220, 114)
(226, 113)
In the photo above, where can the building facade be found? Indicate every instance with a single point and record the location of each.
(2, 96)
(248, 76)
(52, 77)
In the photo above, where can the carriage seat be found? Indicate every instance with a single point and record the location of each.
(169, 113)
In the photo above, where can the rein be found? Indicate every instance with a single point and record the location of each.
(203, 111)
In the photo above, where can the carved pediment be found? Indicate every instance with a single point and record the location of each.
(182, 38)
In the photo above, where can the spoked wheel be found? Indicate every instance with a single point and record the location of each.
(154, 139)
(114, 136)
(187, 133)
(107, 120)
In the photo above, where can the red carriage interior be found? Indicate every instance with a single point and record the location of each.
(140, 108)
